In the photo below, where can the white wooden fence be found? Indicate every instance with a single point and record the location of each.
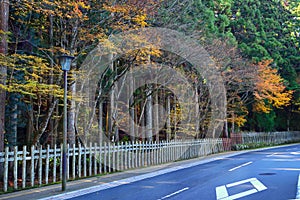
(270, 137)
(38, 166)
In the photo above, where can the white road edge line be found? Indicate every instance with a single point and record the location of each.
(243, 165)
(298, 188)
(174, 193)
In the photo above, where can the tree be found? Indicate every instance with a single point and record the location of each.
(266, 31)
(68, 32)
(4, 13)
(269, 90)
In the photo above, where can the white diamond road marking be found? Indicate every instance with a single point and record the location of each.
(222, 193)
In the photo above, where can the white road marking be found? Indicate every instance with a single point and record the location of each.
(241, 182)
(222, 193)
(243, 165)
(240, 195)
(104, 186)
(273, 154)
(298, 188)
(258, 185)
(174, 193)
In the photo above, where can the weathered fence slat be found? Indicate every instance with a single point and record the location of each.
(5, 181)
(54, 164)
(74, 162)
(24, 167)
(32, 166)
(79, 160)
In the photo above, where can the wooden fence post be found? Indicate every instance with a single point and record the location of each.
(5, 177)
(54, 163)
(32, 166)
(24, 167)
(40, 164)
(74, 162)
(47, 165)
(95, 158)
(105, 157)
(15, 167)
(60, 163)
(109, 157)
(79, 160)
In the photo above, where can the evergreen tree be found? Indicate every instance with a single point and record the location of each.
(263, 31)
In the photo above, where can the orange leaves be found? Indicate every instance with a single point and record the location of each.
(126, 16)
(269, 89)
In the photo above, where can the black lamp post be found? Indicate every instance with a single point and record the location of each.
(65, 62)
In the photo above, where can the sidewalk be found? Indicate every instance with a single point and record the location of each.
(47, 191)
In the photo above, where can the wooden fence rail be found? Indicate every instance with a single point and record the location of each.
(35, 166)
(270, 137)
(41, 165)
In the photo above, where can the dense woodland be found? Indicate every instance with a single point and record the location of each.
(254, 43)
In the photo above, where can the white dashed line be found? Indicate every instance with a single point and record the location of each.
(174, 193)
(243, 165)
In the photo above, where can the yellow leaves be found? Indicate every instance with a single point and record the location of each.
(260, 106)
(269, 89)
(125, 9)
(126, 17)
(66, 9)
(239, 120)
(141, 20)
(35, 89)
(237, 112)
(29, 75)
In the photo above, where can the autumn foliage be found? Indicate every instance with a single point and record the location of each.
(269, 89)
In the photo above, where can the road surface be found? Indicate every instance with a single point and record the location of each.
(257, 175)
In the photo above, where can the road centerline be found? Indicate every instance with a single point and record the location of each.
(243, 165)
(174, 193)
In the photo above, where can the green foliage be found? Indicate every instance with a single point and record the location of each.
(41, 30)
(239, 147)
(209, 18)
(266, 30)
(265, 121)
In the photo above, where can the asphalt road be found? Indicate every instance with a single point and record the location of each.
(258, 175)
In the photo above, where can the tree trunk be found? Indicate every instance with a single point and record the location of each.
(111, 106)
(156, 117)
(131, 108)
(197, 121)
(100, 123)
(232, 124)
(168, 118)
(71, 114)
(4, 14)
(51, 80)
(148, 113)
(13, 120)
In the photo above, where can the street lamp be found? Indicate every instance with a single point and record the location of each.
(65, 62)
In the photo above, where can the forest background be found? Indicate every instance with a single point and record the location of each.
(255, 45)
